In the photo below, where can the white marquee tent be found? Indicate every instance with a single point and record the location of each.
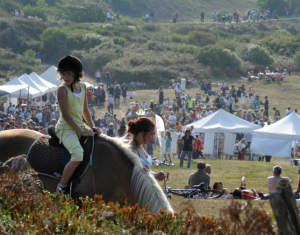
(40, 81)
(8, 89)
(50, 75)
(29, 81)
(24, 92)
(276, 139)
(221, 122)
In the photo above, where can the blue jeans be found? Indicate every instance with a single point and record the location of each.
(183, 153)
(90, 102)
(107, 82)
(46, 125)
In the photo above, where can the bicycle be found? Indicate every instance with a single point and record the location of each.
(197, 192)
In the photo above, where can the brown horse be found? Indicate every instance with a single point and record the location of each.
(116, 173)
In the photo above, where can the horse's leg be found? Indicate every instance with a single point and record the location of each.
(16, 142)
(110, 174)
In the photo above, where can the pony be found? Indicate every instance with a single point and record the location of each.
(116, 173)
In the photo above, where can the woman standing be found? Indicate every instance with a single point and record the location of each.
(243, 94)
(187, 141)
(73, 105)
(98, 76)
(142, 131)
(161, 94)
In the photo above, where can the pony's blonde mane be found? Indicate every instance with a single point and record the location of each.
(145, 188)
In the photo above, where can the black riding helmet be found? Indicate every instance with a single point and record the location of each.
(69, 62)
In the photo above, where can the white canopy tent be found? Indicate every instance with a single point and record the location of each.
(29, 81)
(221, 122)
(40, 81)
(8, 89)
(276, 139)
(89, 85)
(23, 93)
(50, 75)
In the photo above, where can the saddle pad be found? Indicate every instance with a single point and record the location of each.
(46, 159)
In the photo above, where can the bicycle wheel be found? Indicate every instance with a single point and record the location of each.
(208, 194)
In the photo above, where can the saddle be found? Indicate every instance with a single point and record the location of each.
(48, 157)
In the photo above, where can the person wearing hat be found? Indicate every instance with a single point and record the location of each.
(110, 131)
(73, 105)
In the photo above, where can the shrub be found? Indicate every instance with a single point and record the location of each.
(154, 46)
(217, 56)
(136, 61)
(228, 44)
(150, 27)
(120, 41)
(296, 58)
(201, 39)
(178, 38)
(244, 38)
(230, 59)
(186, 49)
(258, 55)
(35, 12)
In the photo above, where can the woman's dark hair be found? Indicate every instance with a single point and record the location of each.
(168, 134)
(216, 184)
(186, 131)
(78, 75)
(237, 194)
(142, 124)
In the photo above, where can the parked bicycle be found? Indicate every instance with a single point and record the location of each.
(197, 192)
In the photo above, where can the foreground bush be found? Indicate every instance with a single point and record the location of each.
(26, 209)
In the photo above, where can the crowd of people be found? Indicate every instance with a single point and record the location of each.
(253, 14)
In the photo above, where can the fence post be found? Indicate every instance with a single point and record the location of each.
(285, 209)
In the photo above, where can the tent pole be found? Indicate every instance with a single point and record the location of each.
(28, 97)
(218, 145)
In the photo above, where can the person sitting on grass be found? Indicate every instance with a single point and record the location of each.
(219, 186)
(274, 180)
(246, 194)
(199, 176)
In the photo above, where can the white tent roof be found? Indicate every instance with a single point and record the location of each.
(287, 128)
(50, 75)
(24, 92)
(7, 89)
(36, 78)
(27, 80)
(222, 121)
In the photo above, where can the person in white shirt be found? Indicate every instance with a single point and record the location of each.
(176, 88)
(192, 132)
(147, 17)
(108, 16)
(240, 147)
(16, 13)
(110, 107)
(39, 116)
(288, 112)
(165, 103)
(172, 119)
(223, 86)
(143, 105)
(208, 112)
